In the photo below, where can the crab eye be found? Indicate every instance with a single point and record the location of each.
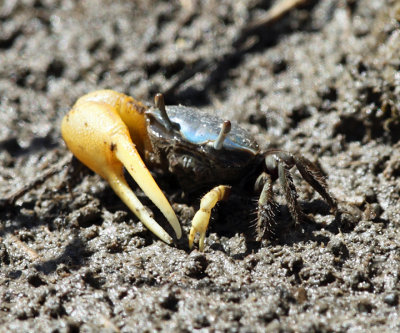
(225, 129)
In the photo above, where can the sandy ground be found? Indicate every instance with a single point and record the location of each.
(323, 81)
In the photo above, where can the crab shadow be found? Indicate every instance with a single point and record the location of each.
(285, 233)
(73, 256)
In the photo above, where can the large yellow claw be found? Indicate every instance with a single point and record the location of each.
(98, 131)
(202, 217)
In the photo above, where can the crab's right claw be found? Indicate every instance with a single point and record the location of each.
(202, 217)
(97, 136)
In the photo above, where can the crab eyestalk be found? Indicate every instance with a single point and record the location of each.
(225, 129)
(160, 105)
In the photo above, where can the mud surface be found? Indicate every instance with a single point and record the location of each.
(323, 80)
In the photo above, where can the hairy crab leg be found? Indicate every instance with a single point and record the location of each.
(267, 207)
(202, 217)
(290, 192)
(98, 136)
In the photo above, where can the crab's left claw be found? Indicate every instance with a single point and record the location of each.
(95, 133)
(202, 217)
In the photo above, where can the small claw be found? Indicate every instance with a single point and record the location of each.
(199, 225)
(99, 138)
(202, 217)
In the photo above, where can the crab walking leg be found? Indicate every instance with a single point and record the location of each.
(97, 136)
(202, 217)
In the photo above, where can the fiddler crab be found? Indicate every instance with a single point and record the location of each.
(108, 131)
